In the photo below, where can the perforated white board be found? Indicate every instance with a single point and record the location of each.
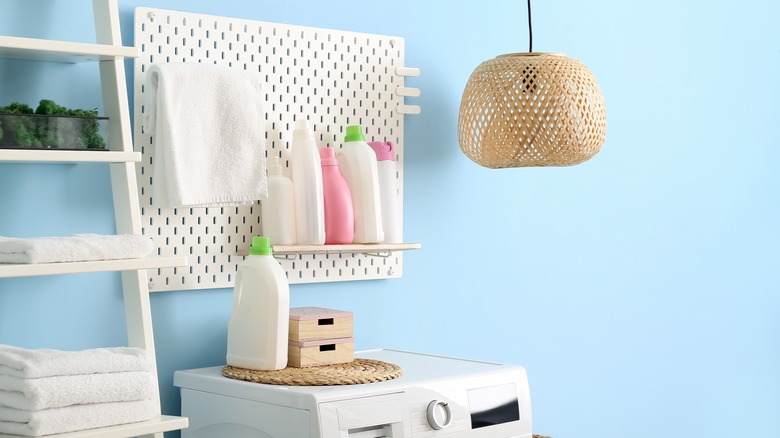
(334, 78)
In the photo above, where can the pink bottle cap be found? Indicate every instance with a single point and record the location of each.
(385, 151)
(328, 157)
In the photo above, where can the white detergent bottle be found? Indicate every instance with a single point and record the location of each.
(307, 184)
(388, 190)
(358, 165)
(259, 325)
(278, 211)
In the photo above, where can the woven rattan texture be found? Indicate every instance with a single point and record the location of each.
(355, 372)
(531, 110)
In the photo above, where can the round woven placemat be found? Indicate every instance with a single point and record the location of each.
(351, 373)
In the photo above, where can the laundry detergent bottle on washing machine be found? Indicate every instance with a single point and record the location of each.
(259, 325)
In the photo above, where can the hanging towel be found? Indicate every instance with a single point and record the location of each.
(61, 391)
(76, 248)
(31, 364)
(209, 136)
(73, 418)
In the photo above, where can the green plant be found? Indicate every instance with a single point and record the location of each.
(49, 126)
(19, 130)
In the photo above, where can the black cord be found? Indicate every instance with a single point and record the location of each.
(530, 31)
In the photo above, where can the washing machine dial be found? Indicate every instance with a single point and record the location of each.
(439, 414)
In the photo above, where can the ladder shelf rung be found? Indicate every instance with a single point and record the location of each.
(34, 49)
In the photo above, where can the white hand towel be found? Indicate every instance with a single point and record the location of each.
(61, 391)
(73, 418)
(209, 135)
(76, 248)
(31, 364)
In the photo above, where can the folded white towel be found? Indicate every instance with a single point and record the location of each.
(31, 364)
(61, 391)
(76, 248)
(73, 418)
(209, 135)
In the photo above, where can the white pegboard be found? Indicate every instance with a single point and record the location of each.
(334, 78)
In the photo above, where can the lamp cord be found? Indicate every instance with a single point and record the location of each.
(530, 31)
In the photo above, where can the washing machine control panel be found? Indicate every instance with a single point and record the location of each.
(495, 410)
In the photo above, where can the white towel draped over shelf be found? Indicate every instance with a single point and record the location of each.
(75, 248)
(209, 135)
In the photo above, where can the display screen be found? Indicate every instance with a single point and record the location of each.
(493, 405)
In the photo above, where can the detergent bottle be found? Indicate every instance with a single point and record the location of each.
(358, 164)
(339, 214)
(259, 324)
(307, 184)
(278, 211)
(388, 190)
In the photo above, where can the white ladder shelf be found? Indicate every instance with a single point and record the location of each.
(110, 55)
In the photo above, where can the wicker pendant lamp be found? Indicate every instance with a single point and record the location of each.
(531, 109)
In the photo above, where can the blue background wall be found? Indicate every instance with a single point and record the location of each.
(639, 289)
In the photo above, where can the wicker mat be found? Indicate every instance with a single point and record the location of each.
(355, 372)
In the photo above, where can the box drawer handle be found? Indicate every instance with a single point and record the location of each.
(328, 347)
(325, 321)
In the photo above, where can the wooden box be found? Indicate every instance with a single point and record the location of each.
(302, 354)
(315, 323)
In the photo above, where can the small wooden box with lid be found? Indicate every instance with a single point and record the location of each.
(319, 336)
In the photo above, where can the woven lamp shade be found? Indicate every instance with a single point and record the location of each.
(531, 109)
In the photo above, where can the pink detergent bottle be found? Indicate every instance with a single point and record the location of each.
(339, 212)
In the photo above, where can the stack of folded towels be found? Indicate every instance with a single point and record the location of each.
(75, 248)
(44, 392)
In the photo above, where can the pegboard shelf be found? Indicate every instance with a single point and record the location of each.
(332, 78)
(379, 249)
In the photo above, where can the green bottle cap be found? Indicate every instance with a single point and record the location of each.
(354, 133)
(260, 246)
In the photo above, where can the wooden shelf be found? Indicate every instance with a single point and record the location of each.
(373, 248)
(55, 156)
(33, 49)
(28, 270)
(163, 423)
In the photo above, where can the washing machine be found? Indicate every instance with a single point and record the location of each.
(434, 397)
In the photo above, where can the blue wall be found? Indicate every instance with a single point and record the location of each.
(641, 289)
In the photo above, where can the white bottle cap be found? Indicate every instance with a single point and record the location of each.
(302, 129)
(302, 125)
(274, 166)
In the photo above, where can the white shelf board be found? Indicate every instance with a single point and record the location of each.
(163, 423)
(366, 248)
(27, 270)
(56, 156)
(33, 49)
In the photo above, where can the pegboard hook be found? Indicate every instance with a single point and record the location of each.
(383, 254)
